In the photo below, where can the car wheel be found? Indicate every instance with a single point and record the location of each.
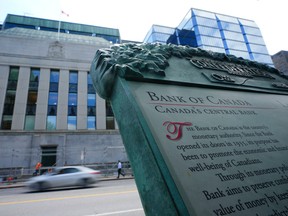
(84, 182)
(42, 186)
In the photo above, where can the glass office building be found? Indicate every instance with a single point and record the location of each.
(215, 32)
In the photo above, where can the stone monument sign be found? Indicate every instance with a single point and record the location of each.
(206, 133)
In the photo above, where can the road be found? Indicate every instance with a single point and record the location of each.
(116, 197)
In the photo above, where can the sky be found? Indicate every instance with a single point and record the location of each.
(134, 18)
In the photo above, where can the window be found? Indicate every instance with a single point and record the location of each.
(72, 122)
(10, 98)
(51, 123)
(29, 122)
(13, 78)
(52, 110)
(9, 102)
(73, 77)
(54, 76)
(72, 104)
(54, 81)
(109, 116)
(91, 122)
(52, 100)
(31, 103)
(68, 170)
(34, 79)
(91, 104)
(6, 122)
(73, 81)
(72, 100)
(72, 110)
(32, 99)
(49, 155)
(91, 111)
(211, 32)
(91, 99)
(91, 89)
(110, 123)
(52, 103)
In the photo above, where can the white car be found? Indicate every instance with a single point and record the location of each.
(67, 176)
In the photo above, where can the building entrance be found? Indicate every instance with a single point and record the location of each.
(48, 156)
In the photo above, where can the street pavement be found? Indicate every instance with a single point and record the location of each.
(21, 182)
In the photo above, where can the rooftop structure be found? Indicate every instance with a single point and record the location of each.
(110, 34)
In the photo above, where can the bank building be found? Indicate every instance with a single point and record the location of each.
(49, 110)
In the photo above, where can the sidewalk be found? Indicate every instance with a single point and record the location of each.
(19, 183)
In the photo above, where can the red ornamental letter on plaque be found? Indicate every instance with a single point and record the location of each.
(175, 129)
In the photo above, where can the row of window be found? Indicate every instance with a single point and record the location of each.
(53, 98)
(107, 36)
(236, 43)
(220, 32)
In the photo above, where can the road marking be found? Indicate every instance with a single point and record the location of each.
(118, 212)
(67, 197)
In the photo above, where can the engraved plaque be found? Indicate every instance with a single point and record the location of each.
(226, 151)
(206, 133)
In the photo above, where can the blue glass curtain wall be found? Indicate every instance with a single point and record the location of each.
(215, 32)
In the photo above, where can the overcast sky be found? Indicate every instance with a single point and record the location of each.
(134, 18)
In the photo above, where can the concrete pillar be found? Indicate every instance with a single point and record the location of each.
(42, 99)
(19, 112)
(62, 108)
(100, 113)
(82, 101)
(4, 75)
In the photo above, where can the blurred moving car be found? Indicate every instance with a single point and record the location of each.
(67, 176)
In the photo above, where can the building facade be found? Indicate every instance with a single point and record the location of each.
(215, 32)
(280, 61)
(49, 110)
